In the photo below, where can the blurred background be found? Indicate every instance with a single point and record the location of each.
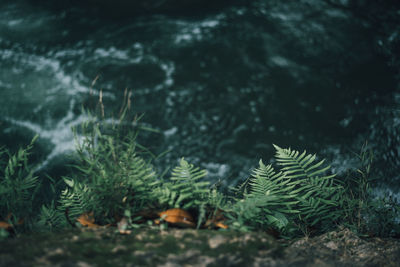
(221, 80)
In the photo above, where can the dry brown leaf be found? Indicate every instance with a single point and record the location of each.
(215, 224)
(221, 225)
(177, 217)
(217, 221)
(87, 220)
(5, 226)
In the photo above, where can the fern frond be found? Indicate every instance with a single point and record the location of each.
(318, 194)
(18, 185)
(185, 189)
(298, 196)
(187, 172)
(265, 181)
(50, 217)
(75, 198)
(296, 165)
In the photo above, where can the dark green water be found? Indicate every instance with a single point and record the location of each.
(221, 85)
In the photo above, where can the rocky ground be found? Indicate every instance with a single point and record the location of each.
(176, 247)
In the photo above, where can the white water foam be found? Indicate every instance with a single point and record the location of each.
(136, 55)
(51, 84)
(60, 136)
(194, 31)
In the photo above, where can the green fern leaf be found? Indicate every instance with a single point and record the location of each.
(185, 189)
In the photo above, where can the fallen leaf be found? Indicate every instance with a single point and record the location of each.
(87, 220)
(177, 217)
(221, 225)
(217, 221)
(5, 226)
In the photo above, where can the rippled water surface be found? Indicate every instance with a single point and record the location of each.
(221, 86)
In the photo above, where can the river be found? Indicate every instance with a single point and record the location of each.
(221, 85)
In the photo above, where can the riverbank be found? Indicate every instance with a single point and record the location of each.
(177, 247)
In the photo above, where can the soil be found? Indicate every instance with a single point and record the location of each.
(187, 247)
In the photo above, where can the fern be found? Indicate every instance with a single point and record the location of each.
(266, 182)
(298, 196)
(185, 189)
(276, 192)
(187, 183)
(244, 214)
(269, 199)
(216, 200)
(50, 218)
(18, 185)
(76, 199)
(113, 178)
(319, 195)
(110, 177)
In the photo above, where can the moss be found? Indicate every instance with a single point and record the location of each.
(142, 247)
(152, 247)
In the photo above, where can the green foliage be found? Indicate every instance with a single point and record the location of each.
(185, 188)
(357, 192)
(75, 199)
(111, 175)
(299, 196)
(114, 177)
(216, 200)
(18, 185)
(50, 218)
(365, 214)
(319, 195)
(382, 217)
(266, 198)
(245, 214)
